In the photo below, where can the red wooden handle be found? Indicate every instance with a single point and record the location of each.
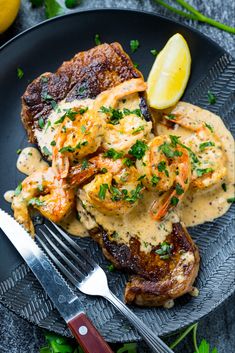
(87, 335)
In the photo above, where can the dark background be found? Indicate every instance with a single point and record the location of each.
(17, 335)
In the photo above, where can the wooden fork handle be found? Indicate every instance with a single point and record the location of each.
(87, 335)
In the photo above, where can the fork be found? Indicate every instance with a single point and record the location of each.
(91, 279)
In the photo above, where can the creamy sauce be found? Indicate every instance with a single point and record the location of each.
(73, 226)
(30, 160)
(205, 205)
(47, 134)
(8, 196)
(136, 223)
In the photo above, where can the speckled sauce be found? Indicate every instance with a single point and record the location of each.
(30, 160)
(199, 206)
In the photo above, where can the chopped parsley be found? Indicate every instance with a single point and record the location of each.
(46, 151)
(134, 45)
(40, 187)
(128, 162)
(154, 52)
(53, 143)
(68, 114)
(18, 190)
(174, 201)
(67, 149)
(127, 111)
(103, 170)
(111, 268)
(112, 153)
(102, 191)
(179, 189)
(70, 4)
(115, 115)
(211, 97)
(138, 129)
(85, 164)
(155, 180)
(36, 202)
(20, 73)
(165, 250)
(166, 148)
(97, 39)
(136, 65)
(19, 151)
(134, 195)
(48, 125)
(162, 168)
(138, 149)
(141, 177)
(203, 145)
(224, 186)
(175, 140)
(41, 122)
(231, 200)
(83, 110)
(209, 127)
(201, 172)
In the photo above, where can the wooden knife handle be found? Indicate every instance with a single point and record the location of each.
(87, 335)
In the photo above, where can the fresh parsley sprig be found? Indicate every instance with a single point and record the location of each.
(194, 14)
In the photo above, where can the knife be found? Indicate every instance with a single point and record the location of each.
(62, 296)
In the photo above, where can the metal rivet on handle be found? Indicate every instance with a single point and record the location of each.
(83, 330)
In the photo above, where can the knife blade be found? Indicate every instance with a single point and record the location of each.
(60, 293)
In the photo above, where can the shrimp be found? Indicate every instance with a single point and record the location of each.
(80, 134)
(45, 192)
(206, 150)
(165, 168)
(115, 194)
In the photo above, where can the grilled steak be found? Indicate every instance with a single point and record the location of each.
(154, 279)
(85, 76)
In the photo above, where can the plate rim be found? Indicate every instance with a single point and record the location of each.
(165, 18)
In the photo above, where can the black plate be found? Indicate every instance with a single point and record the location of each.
(44, 48)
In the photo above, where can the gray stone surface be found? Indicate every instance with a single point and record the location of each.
(19, 336)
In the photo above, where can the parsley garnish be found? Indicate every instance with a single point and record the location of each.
(67, 149)
(35, 201)
(53, 143)
(138, 149)
(174, 201)
(85, 164)
(83, 110)
(134, 45)
(18, 190)
(127, 111)
(20, 73)
(211, 97)
(201, 172)
(68, 114)
(231, 200)
(162, 168)
(155, 180)
(141, 177)
(165, 250)
(209, 127)
(111, 153)
(111, 267)
(168, 151)
(134, 195)
(179, 189)
(53, 8)
(102, 191)
(97, 39)
(128, 162)
(70, 4)
(48, 125)
(115, 115)
(138, 129)
(46, 151)
(41, 122)
(203, 145)
(154, 52)
(19, 151)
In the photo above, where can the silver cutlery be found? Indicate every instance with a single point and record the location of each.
(85, 274)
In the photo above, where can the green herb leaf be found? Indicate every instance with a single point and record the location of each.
(37, 3)
(68, 114)
(136, 65)
(102, 191)
(134, 195)
(174, 201)
(53, 143)
(204, 347)
(53, 8)
(138, 149)
(19, 151)
(154, 52)
(127, 111)
(35, 202)
(20, 73)
(83, 110)
(162, 168)
(231, 200)
(115, 115)
(85, 164)
(70, 4)
(128, 348)
(165, 250)
(155, 180)
(224, 186)
(111, 153)
(111, 268)
(179, 189)
(209, 127)
(204, 145)
(128, 162)
(134, 45)
(18, 190)
(211, 97)
(46, 151)
(97, 39)
(138, 129)
(201, 172)
(41, 122)
(67, 149)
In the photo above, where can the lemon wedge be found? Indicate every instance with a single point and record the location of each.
(169, 74)
(8, 12)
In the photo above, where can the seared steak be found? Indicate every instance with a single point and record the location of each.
(86, 75)
(154, 279)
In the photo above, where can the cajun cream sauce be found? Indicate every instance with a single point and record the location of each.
(199, 206)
